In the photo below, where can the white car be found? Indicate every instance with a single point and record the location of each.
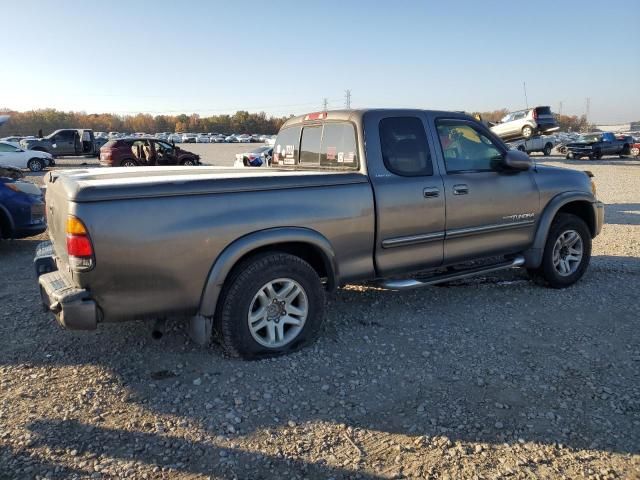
(203, 138)
(175, 138)
(14, 156)
(244, 138)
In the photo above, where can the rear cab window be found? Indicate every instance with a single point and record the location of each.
(327, 146)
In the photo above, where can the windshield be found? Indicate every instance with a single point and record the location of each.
(594, 137)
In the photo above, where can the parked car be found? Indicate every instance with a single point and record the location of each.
(175, 138)
(219, 138)
(250, 252)
(189, 138)
(65, 142)
(231, 139)
(526, 123)
(203, 138)
(543, 144)
(21, 205)
(13, 155)
(13, 139)
(132, 152)
(257, 157)
(244, 138)
(596, 145)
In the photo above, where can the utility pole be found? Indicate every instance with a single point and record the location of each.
(588, 108)
(526, 100)
(325, 104)
(347, 99)
(560, 108)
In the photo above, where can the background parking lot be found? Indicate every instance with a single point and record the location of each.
(486, 378)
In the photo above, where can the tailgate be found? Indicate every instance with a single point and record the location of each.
(57, 210)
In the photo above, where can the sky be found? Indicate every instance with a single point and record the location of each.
(285, 57)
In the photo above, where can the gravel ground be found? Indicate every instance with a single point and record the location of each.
(487, 378)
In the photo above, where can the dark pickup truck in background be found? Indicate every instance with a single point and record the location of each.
(405, 198)
(597, 145)
(66, 142)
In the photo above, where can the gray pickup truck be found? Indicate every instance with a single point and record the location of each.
(66, 142)
(403, 198)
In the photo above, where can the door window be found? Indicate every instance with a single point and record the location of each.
(65, 136)
(466, 149)
(7, 148)
(404, 146)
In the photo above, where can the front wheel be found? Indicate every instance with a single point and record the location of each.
(569, 156)
(547, 149)
(129, 163)
(188, 162)
(272, 304)
(634, 151)
(35, 165)
(567, 252)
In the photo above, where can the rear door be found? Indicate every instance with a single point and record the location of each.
(408, 190)
(490, 210)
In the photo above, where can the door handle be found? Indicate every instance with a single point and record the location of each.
(460, 189)
(431, 192)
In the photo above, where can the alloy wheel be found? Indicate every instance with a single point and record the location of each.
(567, 253)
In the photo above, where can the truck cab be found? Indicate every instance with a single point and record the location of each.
(66, 142)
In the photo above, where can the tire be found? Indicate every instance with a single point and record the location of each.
(570, 156)
(241, 296)
(35, 165)
(527, 132)
(597, 154)
(128, 162)
(556, 270)
(547, 149)
(634, 151)
(188, 162)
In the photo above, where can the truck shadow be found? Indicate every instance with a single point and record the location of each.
(495, 361)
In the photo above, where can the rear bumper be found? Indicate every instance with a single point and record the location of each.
(72, 306)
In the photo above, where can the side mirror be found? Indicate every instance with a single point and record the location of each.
(517, 160)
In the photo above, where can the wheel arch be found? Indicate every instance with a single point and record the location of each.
(6, 223)
(575, 203)
(305, 243)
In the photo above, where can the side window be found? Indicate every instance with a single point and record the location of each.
(339, 146)
(310, 145)
(405, 150)
(65, 136)
(465, 148)
(286, 149)
(7, 148)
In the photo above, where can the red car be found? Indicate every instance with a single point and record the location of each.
(131, 152)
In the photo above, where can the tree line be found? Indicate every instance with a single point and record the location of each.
(48, 120)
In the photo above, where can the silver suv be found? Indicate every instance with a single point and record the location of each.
(526, 123)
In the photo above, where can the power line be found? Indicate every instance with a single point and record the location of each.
(347, 99)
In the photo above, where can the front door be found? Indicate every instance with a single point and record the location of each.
(64, 143)
(408, 190)
(489, 210)
(164, 154)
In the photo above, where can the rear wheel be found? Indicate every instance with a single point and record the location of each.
(597, 154)
(272, 304)
(129, 163)
(567, 252)
(570, 156)
(527, 131)
(547, 149)
(35, 165)
(635, 151)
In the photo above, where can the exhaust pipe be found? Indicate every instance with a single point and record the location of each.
(158, 328)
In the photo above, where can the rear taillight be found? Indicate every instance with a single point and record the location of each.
(79, 247)
(535, 114)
